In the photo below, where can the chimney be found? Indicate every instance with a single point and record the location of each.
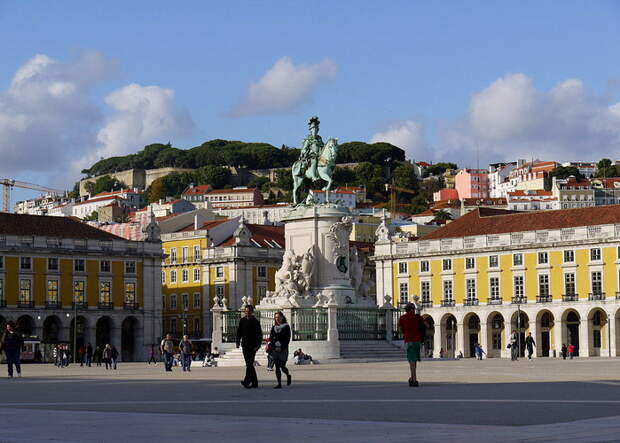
(198, 222)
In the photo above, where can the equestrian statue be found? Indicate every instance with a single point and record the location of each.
(317, 160)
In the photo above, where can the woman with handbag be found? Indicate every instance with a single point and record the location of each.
(279, 338)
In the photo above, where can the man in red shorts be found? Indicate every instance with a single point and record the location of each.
(412, 326)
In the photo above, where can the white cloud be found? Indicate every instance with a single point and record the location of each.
(511, 119)
(408, 135)
(284, 87)
(51, 127)
(46, 116)
(143, 114)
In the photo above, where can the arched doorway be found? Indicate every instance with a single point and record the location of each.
(545, 336)
(471, 334)
(429, 338)
(598, 331)
(571, 330)
(520, 322)
(495, 335)
(103, 331)
(128, 338)
(25, 325)
(80, 337)
(449, 336)
(51, 330)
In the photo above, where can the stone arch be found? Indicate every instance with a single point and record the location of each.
(496, 340)
(449, 331)
(545, 336)
(571, 320)
(471, 333)
(429, 339)
(103, 331)
(52, 327)
(598, 332)
(129, 331)
(79, 334)
(520, 322)
(26, 325)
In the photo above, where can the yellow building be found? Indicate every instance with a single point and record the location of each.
(219, 261)
(53, 269)
(558, 270)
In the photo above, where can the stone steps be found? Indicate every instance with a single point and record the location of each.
(370, 350)
(235, 358)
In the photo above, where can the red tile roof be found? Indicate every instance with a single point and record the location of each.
(43, 225)
(95, 200)
(198, 189)
(537, 192)
(483, 221)
(262, 235)
(232, 191)
(206, 225)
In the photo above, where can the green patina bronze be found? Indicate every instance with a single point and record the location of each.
(317, 160)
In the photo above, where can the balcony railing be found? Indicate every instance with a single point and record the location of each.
(25, 304)
(596, 296)
(471, 302)
(79, 305)
(53, 305)
(543, 299)
(105, 305)
(518, 300)
(130, 306)
(570, 297)
(426, 304)
(495, 301)
(447, 303)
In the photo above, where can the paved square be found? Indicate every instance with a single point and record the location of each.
(490, 400)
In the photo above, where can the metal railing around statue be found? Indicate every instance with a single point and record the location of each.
(397, 334)
(230, 322)
(361, 323)
(309, 324)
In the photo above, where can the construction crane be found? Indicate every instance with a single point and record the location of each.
(9, 183)
(393, 195)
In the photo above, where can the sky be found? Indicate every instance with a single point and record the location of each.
(470, 82)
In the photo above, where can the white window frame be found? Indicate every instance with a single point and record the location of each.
(196, 300)
(185, 276)
(446, 264)
(573, 281)
(448, 291)
(569, 256)
(492, 259)
(425, 266)
(468, 261)
(544, 261)
(173, 276)
(595, 254)
(402, 267)
(544, 285)
(518, 286)
(517, 259)
(493, 288)
(600, 281)
(403, 293)
(425, 291)
(470, 289)
(196, 274)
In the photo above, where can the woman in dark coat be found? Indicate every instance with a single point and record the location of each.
(279, 338)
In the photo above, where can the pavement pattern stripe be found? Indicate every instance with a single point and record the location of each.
(302, 401)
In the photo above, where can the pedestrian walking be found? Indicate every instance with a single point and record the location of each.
(571, 351)
(413, 328)
(98, 355)
(186, 353)
(11, 344)
(114, 356)
(82, 355)
(56, 355)
(250, 337)
(152, 355)
(564, 351)
(279, 338)
(107, 356)
(167, 347)
(514, 346)
(89, 355)
(478, 351)
(529, 345)
(65, 356)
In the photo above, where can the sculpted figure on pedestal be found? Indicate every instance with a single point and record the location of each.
(317, 159)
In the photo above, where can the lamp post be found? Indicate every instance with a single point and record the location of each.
(184, 318)
(75, 311)
(519, 325)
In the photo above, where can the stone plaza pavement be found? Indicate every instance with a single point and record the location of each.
(490, 400)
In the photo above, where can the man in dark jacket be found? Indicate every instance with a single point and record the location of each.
(250, 336)
(12, 345)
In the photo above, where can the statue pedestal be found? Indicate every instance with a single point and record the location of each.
(316, 267)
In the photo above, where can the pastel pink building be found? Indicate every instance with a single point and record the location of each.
(445, 194)
(472, 183)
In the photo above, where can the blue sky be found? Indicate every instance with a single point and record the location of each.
(443, 80)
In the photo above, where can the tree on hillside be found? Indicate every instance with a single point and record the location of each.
(371, 176)
(104, 184)
(377, 153)
(404, 176)
(606, 169)
(156, 191)
(216, 176)
(562, 172)
(439, 168)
